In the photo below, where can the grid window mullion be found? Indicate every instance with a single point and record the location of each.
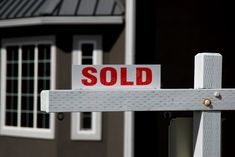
(28, 72)
(35, 87)
(21, 75)
(19, 86)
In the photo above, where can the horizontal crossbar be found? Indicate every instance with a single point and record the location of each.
(137, 100)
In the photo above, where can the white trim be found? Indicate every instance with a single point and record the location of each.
(78, 134)
(97, 54)
(35, 85)
(96, 132)
(129, 59)
(61, 20)
(130, 32)
(27, 132)
(28, 40)
(19, 86)
(20, 131)
(129, 134)
(3, 86)
(53, 83)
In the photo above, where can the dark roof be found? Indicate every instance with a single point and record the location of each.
(12, 9)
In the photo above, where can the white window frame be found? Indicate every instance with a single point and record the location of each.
(17, 131)
(96, 124)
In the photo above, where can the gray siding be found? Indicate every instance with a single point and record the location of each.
(116, 54)
(21, 147)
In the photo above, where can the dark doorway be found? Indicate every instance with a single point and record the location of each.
(171, 33)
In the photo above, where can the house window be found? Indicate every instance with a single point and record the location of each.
(86, 125)
(27, 68)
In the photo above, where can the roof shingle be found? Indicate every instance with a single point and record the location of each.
(13, 9)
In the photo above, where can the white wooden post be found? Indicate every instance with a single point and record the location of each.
(207, 124)
(128, 150)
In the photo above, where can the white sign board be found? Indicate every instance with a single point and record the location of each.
(116, 76)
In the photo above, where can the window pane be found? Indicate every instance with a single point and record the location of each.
(86, 120)
(12, 53)
(39, 104)
(43, 120)
(27, 103)
(11, 118)
(44, 52)
(87, 53)
(86, 61)
(12, 69)
(28, 53)
(26, 119)
(12, 86)
(12, 102)
(87, 49)
(27, 69)
(43, 85)
(44, 69)
(28, 86)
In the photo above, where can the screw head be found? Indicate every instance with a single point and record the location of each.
(206, 102)
(217, 94)
(60, 116)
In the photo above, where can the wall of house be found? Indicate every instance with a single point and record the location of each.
(171, 33)
(116, 54)
(111, 144)
(25, 147)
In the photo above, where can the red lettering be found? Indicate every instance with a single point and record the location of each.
(103, 76)
(139, 76)
(124, 80)
(86, 72)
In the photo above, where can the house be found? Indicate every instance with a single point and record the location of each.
(41, 39)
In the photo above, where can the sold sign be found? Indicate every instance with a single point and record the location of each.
(115, 76)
